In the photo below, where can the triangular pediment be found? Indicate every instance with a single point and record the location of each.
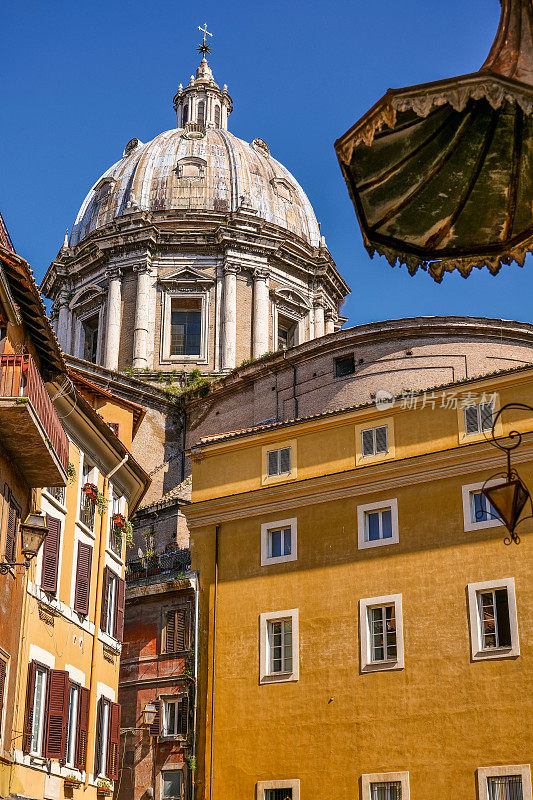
(187, 275)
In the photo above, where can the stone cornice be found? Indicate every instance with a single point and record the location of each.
(387, 476)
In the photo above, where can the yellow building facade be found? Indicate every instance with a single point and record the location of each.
(67, 720)
(364, 630)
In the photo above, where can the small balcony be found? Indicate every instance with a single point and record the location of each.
(30, 428)
(87, 511)
(178, 562)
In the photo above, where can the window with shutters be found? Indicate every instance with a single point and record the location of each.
(72, 724)
(278, 790)
(83, 729)
(377, 524)
(107, 739)
(279, 461)
(12, 515)
(50, 556)
(4, 665)
(505, 782)
(478, 513)
(279, 541)
(172, 784)
(82, 586)
(113, 600)
(278, 646)
(175, 713)
(176, 630)
(36, 708)
(493, 622)
(116, 506)
(374, 441)
(478, 418)
(385, 786)
(381, 624)
(111, 604)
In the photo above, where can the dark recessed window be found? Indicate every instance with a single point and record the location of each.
(345, 365)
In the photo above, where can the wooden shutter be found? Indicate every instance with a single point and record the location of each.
(183, 715)
(12, 530)
(57, 717)
(381, 439)
(181, 629)
(170, 632)
(30, 696)
(50, 563)
(98, 737)
(367, 442)
(119, 609)
(471, 419)
(3, 671)
(80, 759)
(113, 741)
(285, 460)
(83, 578)
(502, 617)
(272, 462)
(105, 590)
(155, 727)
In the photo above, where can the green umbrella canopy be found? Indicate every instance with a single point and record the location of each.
(441, 174)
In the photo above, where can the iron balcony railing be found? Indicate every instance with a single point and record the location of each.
(57, 492)
(115, 541)
(87, 510)
(19, 377)
(178, 561)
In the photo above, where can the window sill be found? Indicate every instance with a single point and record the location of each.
(495, 652)
(172, 737)
(90, 532)
(279, 677)
(53, 502)
(110, 641)
(378, 543)
(382, 666)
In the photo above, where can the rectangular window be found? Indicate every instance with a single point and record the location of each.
(345, 365)
(494, 619)
(389, 790)
(381, 628)
(278, 794)
(50, 555)
(382, 624)
(185, 327)
(14, 513)
(111, 604)
(377, 524)
(90, 338)
(280, 645)
(478, 513)
(72, 724)
(3, 693)
(506, 787)
(170, 717)
(171, 784)
(176, 629)
(279, 541)
(279, 461)
(374, 441)
(482, 509)
(87, 506)
(104, 735)
(39, 708)
(478, 418)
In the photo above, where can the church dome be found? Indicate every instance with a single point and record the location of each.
(199, 168)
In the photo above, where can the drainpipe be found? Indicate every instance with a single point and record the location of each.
(293, 383)
(217, 529)
(118, 466)
(195, 710)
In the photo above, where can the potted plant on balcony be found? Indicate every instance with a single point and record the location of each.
(91, 492)
(103, 787)
(72, 781)
(123, 527)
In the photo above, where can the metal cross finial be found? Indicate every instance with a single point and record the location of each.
(204, 47)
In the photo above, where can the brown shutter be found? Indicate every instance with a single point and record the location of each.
(98, 737)
(50, 564)
(3, 670)
(28, 722)
(80, 760)
(57, 718)
(113, 745)
(83, 578)
(105, 588)
(119, 613)
(155, 727)
(12, 527)
(170, 632)
(181, 629)
(183, 717)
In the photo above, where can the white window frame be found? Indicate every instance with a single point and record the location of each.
(483, 773)
(473, 590)
(167, 296)
(114, 494)
(175, 699)
(38, 721)
(293, 784)
(478, 407)
(279, 450)
(266, 528)
(373, 429)
(467, 492)
(169, 768)
(267, 479)
(381, 505)
(104, 734)
(385, 777)
(367, 665)
(4, 655)
(265, 676)
(70, 744)
(112, 588)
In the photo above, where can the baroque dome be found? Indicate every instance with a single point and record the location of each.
(198, 168)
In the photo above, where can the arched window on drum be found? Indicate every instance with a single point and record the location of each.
(201, 113)
(185, 115)
(217, 116)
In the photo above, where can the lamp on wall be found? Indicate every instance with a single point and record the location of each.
(33, 533)
(509, 497)
(149, 713)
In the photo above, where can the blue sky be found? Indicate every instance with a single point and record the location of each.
(78, 80)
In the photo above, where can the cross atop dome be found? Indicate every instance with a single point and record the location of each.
(202, 104)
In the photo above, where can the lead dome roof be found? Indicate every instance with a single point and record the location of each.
(216, 172)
